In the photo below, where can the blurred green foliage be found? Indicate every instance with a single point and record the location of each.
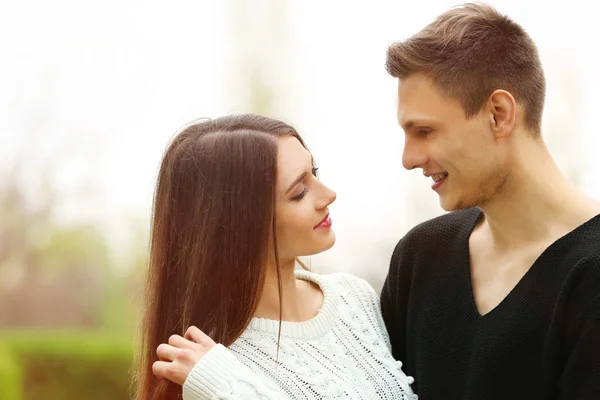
(64, 365)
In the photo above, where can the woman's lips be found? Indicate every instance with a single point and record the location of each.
(325, 223)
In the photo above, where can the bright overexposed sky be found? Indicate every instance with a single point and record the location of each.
(91, 93)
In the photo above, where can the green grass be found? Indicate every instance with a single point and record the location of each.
(64, 365)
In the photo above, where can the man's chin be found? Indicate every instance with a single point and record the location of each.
(447, 204)
(450, 205)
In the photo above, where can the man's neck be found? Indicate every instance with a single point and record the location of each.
(537, 204)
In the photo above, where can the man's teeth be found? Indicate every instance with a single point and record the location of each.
(438, 177)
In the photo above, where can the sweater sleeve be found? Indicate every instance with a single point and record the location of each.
(219, 375)
(581, 374)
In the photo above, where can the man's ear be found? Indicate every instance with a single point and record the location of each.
(502, 109)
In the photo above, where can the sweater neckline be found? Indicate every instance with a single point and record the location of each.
(515, 295)
(315, 327)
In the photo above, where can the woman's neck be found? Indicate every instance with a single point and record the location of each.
(301, 300)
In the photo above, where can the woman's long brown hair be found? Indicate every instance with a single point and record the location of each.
(212, 223)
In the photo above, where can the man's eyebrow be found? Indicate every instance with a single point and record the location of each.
(411, 123)
(408, 124)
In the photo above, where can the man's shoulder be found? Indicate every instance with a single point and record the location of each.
(443, 237)
(443, 229)
(580, 255)
(579, 250)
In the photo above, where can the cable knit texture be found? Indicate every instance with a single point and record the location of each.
(341, 353)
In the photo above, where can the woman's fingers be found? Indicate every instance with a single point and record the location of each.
(196, 335)
(174, 371)
(166, 352)
(161, 369)
(180, 342)
(177, 359)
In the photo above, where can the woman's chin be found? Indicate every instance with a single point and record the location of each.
(321, 245)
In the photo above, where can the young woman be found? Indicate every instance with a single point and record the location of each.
(237, 201)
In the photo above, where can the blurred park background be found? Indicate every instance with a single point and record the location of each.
(91, 93)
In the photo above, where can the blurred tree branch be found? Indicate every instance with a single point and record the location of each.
(46, 269)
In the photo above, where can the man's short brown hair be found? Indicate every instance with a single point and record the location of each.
(470, 51)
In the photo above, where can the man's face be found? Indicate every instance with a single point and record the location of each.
(459, 155)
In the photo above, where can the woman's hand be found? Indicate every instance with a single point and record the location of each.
(181, 354)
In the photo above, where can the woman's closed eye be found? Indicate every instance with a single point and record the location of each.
(304, 191)
(300, 195)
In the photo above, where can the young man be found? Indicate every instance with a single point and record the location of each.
(500, 298)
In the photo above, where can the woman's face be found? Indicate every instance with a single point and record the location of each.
(303, 223)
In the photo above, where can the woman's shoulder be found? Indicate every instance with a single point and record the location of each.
(340, 278)
(345, 284)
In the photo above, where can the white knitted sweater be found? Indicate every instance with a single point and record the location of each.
(341, 353)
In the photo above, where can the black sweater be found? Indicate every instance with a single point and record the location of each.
(541, 342)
